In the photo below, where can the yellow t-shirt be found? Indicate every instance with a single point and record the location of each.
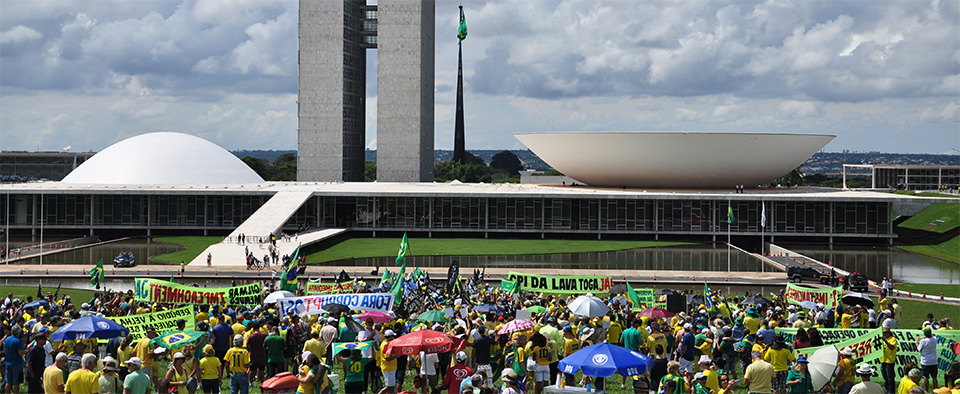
(82, 381)
(142, 349)
(705, 348)
(202, 316)
(210, 368)
(385, 365)
(237, 358)
(570, 346)
(779, 358)
(614, 332)
(847, 365)
(845, 321)
(656, 339)
(752, 323)
(889, 355)
(713, 380)
(905, 385)
(541, 354)
(305, 387)
(238, 328)
(125, 354)
(52, 379)
(315, 346)
(760, 376)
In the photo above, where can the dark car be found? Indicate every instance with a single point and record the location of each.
(798, 273)
(856, 282)
(125, 259)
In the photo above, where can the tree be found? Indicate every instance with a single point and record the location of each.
(792, 178)
(508, 162)
(260, 166)
(470, 158)
(285, 168)
(369, 171)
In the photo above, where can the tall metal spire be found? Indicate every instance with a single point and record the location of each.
(459, 150)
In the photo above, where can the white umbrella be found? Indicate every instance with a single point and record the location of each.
(588, 306)
(808, 304)
(822, 365)
(272, 298)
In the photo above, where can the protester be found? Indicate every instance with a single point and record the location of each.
(54, 375)
(866, 386)
(211, 371)
(84, 380)
(238, 364)
(759, 375)
(799, 379)
(927, 347)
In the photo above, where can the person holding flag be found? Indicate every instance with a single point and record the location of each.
(96, 275)
(288, 281)
(396, 287)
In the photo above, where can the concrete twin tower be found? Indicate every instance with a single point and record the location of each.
(334, 36)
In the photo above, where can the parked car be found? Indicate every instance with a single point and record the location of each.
(125, 259)
(798, 273)
(856, 282)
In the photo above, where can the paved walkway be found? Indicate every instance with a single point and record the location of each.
(270, 217)
(233, 255)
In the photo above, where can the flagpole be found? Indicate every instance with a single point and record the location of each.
(763, 224)
(729, 224)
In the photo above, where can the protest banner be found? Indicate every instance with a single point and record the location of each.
(867, 345)
(160, 321)
(829, 296)
(313, 305)
(328, 288)
(154, 290)
(562, 284)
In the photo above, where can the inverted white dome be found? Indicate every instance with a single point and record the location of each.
(163, 158)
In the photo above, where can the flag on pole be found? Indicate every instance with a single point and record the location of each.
(634, 297)
(39, 292)
(708, 300)
(387, 277)
(397, 286)
(763, 215)
(730, 218)
(404, 249)
(288, 281)
(96, 275)
(462, 31)
(57, 294)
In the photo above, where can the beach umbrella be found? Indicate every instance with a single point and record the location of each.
(857, 299)
(756, 300)
(666, 292)
(487, 308)
(808, 304)
(377, 317)
(436, 316)
(335, 308)
(618, 289)
(91, 326)
(589, 306)
(822, 365)
(535, 309)
(272, 298)
(603, 360)
(516, 325)
(655, 313)
(36, 304)
(178, 339)
(427, 341)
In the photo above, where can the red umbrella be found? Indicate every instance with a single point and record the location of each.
(377, 317)
(427, 341)
(655, 313)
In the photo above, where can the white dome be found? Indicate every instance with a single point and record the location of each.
(163, 158)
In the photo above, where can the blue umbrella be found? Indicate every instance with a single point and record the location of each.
(36, 304)
(603, 360)
(90, 327)
(486, 308)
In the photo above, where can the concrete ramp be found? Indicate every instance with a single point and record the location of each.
(232, 254)
(271, 216)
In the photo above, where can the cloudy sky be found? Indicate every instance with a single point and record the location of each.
(881, 75)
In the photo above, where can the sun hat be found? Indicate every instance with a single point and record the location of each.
(802, 360)
(699, 376)
(178, 355)
(159, 350)
(865, 369)
(846, 351)
(389, 333)
(134, 361)
(705, 359)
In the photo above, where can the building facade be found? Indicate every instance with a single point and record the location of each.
(334, 37)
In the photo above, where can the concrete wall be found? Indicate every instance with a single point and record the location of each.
(405, 90)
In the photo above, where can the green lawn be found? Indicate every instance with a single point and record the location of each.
(21, 292)
(948, 250)
(919, 288)
(925, 194)
(948, 213)
(387, 247)
(194, 246)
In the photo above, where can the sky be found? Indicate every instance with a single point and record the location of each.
(880, 75)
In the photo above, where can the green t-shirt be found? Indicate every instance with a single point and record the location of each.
(355, 369)
(631, 338)
(274, 346)
(137, 382)
(806, 386)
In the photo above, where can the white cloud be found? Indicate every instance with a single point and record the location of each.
(19, 34)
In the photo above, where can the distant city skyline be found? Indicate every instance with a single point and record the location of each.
(881, 76)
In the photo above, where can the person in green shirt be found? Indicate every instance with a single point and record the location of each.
(799, 380)
(274, 346)
(354, 366)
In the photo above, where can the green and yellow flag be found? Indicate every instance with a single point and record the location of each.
(96, 275)
(462, 31)
(634, 297)
(396, 287)
(730, 218)
(404, 249)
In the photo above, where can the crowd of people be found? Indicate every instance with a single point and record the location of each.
(714, 349)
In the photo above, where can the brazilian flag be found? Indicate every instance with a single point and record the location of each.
(730, 218)
(462, 31)
(96, 275)
(177, 339)
(404, 249)
(341, 346)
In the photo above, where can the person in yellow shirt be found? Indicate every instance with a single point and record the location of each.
(211, 370)
(143, 351)
(314, 345)
(53, 376)
(306, 377)
(888, 360)
(752, 320)
(843, 379)
(542, 354)
(780, 356)
(909, 381)
(708, 370)
(655, 338)
(238, 363)
(84, 380)
(388, 365)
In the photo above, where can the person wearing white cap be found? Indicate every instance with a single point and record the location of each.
(685, 350)
(843, 379)
(866, 386)
(700, 384)
(708, 370)
(136, 381)
(388, 365)
(177, 375)
(456, 374)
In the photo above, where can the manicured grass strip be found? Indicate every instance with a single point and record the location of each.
(49, 286)
(926, 194)
(948, 250)
(948, 213)
(388, 247)
(194, 246)
(931, 289)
